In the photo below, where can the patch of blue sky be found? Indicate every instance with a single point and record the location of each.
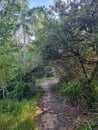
(36, 3)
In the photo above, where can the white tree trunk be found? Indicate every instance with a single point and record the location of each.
(24, 43)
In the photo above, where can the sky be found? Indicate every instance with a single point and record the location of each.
(35, 3)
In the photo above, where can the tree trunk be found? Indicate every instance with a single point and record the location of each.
(83, 68)
(24, 44)
(97, 60)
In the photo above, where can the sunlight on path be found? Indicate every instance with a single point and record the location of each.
(55, 114)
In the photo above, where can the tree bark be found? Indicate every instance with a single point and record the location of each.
(24, 44)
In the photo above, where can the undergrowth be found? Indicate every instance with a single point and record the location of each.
(18, 115)
(18, 109)
(84, 125)
(79, 91)
(20, 90)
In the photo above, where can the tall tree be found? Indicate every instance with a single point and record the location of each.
(8, 48)
(70, 36)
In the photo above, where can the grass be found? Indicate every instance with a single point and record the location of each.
(84, 124)
(20, 115)
(15, 115)
(79, 91)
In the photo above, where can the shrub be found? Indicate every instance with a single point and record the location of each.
(22, 90)
(44, 70)
(80, 91)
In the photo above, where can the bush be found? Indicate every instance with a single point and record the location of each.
(20, 115)
(79, 91)
(22, 90)
(44, 70)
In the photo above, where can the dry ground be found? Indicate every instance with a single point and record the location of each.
(56, 113)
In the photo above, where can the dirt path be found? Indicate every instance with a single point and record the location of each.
(57, 114)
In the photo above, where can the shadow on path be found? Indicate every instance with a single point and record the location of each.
(56, 114)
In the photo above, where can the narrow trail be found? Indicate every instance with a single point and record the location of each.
(57, 114)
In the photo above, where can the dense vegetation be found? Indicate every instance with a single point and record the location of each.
(19, 93)
(65, 37)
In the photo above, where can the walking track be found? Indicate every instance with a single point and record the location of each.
(57, 114)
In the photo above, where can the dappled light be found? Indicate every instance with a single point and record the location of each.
(49, 65)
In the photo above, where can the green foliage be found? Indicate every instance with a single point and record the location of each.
(65, 34)
(11, 53)
(84, 125)
(44, 70)
(16, 115)
(9, 107)
(26, 125)
(80, 91)
(22, 89)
